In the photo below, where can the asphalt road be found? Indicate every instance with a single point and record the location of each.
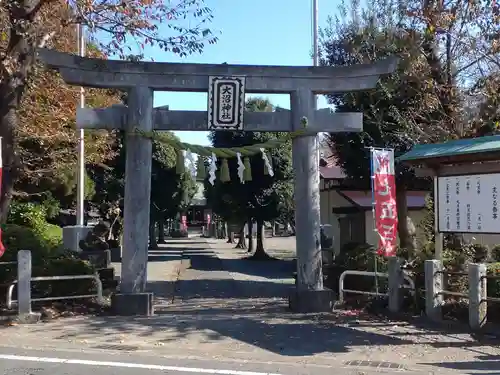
(21, 361)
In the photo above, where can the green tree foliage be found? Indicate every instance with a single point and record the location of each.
(389, 111)
(419, 103)
(264, 197)
(170, 192)
(442, 89)
(115, 28)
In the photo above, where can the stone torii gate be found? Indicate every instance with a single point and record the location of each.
(224, 113)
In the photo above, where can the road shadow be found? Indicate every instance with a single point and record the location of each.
(281, 266)
(165, 254)
(485, 364)
(268, 327)
(169, 242)
(270, 269)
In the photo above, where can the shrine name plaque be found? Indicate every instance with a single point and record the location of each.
(226, 103)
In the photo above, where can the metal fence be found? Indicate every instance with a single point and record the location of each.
(10, 302)
(342, 290)
(8, 263)
(24, 283)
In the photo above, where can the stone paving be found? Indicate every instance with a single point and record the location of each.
(235, 309)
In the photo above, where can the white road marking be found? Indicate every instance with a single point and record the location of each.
(129, 365)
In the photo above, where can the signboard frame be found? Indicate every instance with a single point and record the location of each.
(226, 110)
(440, 227)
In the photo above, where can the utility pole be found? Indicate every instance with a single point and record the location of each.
(315, 58)
(315, 32)
(80, 205)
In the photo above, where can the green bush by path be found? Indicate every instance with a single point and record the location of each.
(493, 285)
(31, 215)
(359, 257)
(47, 260)
(16, 237)
(27, 229)
(40, 235)
(53, 235)
(495, 253)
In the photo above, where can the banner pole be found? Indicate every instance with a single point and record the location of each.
(372, 178)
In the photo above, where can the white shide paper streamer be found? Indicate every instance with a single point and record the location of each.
(191, 162)
(241, 167)
(267, 162)
(212, 168)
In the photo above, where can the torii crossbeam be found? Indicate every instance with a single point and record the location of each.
(115, 117)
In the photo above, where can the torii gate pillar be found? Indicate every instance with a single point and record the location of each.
(140, 79)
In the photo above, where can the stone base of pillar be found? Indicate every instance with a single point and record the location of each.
(116, 254)
(72, 235)
(129, 304)
(30, 318)
(311, 301)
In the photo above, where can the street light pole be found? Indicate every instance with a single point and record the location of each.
(80, 205)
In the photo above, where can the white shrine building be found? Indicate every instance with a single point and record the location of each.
(349, 209)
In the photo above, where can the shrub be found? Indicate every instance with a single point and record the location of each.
(66, 263)
(495, 253)
(46, 261)
(360, 257)
(53, 235)
(51, 206)
(481, 253)
(29, 215)
(493, 285)
(16, 237)
(33, 216)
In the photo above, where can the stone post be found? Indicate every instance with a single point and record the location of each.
(72, 234)
(309, 295)
(433, 289)
(396, 280)
(132, 299)
(477, 295)
(25, 315)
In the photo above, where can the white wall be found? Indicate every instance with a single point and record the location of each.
(328, 200)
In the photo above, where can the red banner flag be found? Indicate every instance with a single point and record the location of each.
(2, 247)
(384, 193)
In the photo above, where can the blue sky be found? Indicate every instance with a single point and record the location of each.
(264, 32)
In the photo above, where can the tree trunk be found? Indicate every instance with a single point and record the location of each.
(16, 62)
(442, 75)
(242, 243)
(153, 245)
(161, 231)
(230, 233)
(407, 240)
(224, 230)
(9, 103)
(260, 252)
(250, 235)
